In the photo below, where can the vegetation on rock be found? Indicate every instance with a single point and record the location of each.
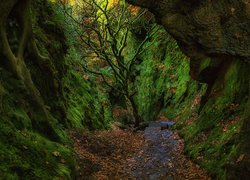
(79, 66)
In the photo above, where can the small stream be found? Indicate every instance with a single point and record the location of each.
(154, 160)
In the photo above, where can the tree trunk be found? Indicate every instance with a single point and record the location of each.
(16, 63)
(136, 115)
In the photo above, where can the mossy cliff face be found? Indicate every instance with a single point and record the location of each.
(164, 76)
(27, 149)
(41, 93)
(211, 124)
(213, 108)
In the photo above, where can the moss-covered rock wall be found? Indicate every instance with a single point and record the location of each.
(210, 109)
(215, 35)
(28, 150)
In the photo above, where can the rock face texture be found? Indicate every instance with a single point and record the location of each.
(215, 29)
(216, 37)
(205, 27)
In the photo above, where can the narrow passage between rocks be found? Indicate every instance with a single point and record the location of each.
(155, 153)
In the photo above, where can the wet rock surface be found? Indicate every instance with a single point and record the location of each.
(162, 156)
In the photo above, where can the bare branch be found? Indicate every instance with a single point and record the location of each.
(104, 79)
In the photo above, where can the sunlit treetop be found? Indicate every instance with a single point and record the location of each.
(73, 2)
(134, 10)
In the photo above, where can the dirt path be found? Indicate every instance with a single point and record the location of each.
(162, 157)
(156, 153)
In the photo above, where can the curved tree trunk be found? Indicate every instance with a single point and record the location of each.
(20, 9)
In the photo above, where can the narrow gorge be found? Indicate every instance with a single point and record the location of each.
(85, 86)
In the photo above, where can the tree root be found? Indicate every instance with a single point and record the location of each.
(16, 63)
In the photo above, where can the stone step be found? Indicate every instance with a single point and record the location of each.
(161, 125)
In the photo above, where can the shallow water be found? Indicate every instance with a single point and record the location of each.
(153, 160)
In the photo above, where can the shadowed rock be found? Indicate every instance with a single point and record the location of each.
(205, 27)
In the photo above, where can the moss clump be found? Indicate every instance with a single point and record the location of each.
(213, 136)
(88, 104)
(24, 152)
(44, 159)
(164, 79)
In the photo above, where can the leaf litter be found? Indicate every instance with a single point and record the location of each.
(124, 154)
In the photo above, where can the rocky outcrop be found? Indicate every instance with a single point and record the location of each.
(216, 29)
(205, 27)
(215, 35)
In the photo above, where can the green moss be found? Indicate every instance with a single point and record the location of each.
(204, 63)
(24, 152)
(71, 101)
(218, 138)
(164, 81)
(44, 159)
(88, 104)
